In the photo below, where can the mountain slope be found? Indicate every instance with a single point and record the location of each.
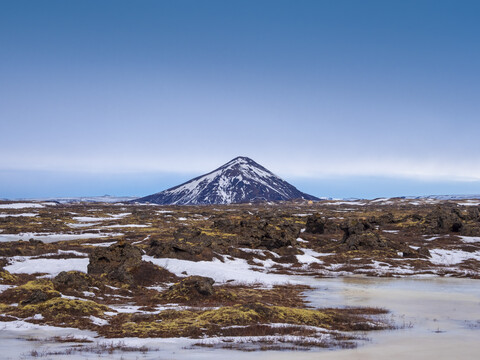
(239, 180)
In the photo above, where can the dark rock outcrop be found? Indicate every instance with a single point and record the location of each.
(72, 280)
(421, 252)
(366, 241)
(190, 288)
(146, 274)
(106, 260)
(261, 233)
(320, 225)
(444, 219)
(116, 261)
(360, 234)
(473, 214)
(37, 296)
(183, 249)
(355, 227)
(383, 219)
(33, 292)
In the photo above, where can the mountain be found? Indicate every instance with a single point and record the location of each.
(238, 181)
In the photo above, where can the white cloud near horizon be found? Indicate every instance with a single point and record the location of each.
(308, 167)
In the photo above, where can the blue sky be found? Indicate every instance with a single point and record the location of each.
(341, 98)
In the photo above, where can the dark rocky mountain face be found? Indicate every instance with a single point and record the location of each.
(238, 181)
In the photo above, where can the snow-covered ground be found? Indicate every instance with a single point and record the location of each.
(51, 237)
(309, 257)
(19, 215)
(52, 267)
(22, 206)
(124, 226)
(470, 239)
(94, 219)
(237, 270)
(105, 244)
(452, 257)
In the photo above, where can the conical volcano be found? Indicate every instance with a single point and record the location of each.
(238, 181)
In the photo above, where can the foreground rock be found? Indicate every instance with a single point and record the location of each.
(188, 244)
(444, 219)
(261, 233)
(320, 225)
(123, 262)
(72, 280)
(33, 292)
(190, 288)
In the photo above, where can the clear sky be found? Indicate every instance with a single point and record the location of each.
(342, 98)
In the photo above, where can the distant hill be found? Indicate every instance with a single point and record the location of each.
(238, 181)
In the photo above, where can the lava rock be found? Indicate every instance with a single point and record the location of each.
(72, 280)
(444, 219)
(260, 233)
(421, 252)
(355, 227)
(147, 274)
(117, 261)
(315, 225)
(105, 260)
(366, 241)
(38, 296)
(191, 288)
(184, 249)
(473, 214)
(383, 219)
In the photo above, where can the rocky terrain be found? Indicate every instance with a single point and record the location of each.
(224, 272)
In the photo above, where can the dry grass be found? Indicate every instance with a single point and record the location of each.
(103, 348)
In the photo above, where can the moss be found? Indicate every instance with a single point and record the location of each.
(172, 323)
(216, 233)
(40, 284)
(5, 308)
(229, 296)
(7, 278)
(64, 308)
(169, 323)
(35, 291)
(302, 316)
(231, 315)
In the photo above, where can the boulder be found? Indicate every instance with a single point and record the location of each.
(383, 219)
(366, 241)
(315, 225)
(105, 260)
(147, 274)
(37, 296)
(116, 261)
(72, 280)
(184, 249)
(355, 227)
(33, 292)
(190, 289)
(421, 252)
(444, 219)
(260, 233)
(473, 214)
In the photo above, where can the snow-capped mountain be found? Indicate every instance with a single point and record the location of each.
(240, 180)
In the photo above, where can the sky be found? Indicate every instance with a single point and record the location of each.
(341, 98)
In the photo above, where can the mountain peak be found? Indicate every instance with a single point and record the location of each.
(240, 160)
(239, 180)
